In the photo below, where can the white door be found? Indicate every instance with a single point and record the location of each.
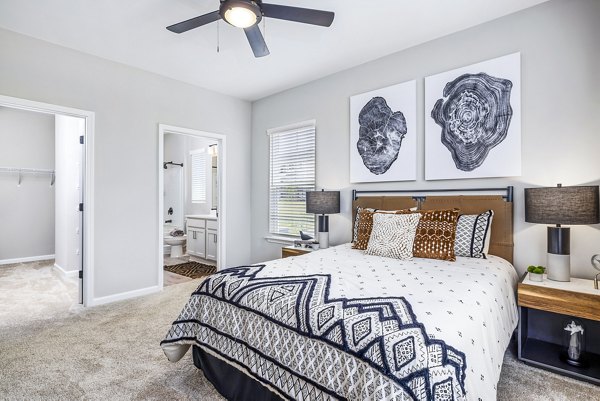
(197, 242)
(79, 228)
(211, 244)
(69, 170)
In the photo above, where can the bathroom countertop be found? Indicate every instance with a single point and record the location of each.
(201, 216)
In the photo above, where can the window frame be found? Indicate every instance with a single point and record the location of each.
(206, 155)
(283, 130)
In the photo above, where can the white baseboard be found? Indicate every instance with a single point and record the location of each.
(27, 259)
(124, 295)
(66, 273)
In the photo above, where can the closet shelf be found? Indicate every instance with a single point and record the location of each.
(35, 171)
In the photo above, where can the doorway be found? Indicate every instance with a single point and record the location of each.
(192, 204)
(66, 180)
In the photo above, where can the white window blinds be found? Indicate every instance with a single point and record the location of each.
(198, 167)
(292, 173)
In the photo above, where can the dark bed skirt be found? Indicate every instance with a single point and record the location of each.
(229, 381)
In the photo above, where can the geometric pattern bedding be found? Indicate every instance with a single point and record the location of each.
(467, 305)
(289, 334)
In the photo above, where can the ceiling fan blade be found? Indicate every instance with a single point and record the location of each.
(297, 14)
(257, 41)
(194, 22)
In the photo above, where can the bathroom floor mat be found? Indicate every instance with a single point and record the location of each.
(192, 269)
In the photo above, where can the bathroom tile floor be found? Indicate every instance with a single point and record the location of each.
(170, 278)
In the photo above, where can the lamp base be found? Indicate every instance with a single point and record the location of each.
(559, 267)
(559, 253)
(323, 231)
(324, 240)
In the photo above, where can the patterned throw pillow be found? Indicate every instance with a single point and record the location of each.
(363, 228)
(436, 234)
(473, 234)
(357, 220)
(393, 235)
(363, 224)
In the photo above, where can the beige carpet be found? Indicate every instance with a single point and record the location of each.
(112, 353)
(34, 291)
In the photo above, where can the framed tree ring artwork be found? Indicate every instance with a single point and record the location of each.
(383, 143)
(473, 121)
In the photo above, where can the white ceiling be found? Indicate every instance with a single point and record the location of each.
(133, 32)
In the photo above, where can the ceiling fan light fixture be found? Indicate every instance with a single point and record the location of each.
(240, 13)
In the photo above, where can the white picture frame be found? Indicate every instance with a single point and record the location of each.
(469, 130)
(370, 162)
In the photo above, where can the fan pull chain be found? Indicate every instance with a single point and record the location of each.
(218, 38)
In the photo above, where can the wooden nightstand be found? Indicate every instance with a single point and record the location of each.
(543, 309)
(288, 251)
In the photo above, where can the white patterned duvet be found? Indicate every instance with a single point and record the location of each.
(339, 324)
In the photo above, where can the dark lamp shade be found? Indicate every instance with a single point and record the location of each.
(323, 202)
(562, 205)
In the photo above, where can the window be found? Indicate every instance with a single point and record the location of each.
(198, 167)
(292, 173)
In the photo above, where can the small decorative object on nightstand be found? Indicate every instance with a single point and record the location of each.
(574, 344)
(323, 203)
(561, 205)
(536, 273)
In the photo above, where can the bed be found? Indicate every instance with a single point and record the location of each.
(339, 324)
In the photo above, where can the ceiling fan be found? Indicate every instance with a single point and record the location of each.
(247, 14)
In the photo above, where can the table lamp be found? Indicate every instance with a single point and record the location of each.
(561, 205)
(323, 203)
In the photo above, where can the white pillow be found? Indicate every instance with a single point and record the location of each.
(357, 218)
(393, 235)
(473, 233)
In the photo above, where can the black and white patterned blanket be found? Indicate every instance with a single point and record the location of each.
(287, 332)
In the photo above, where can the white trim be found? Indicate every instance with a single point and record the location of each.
(292, 127)
(27, 259)
(277, 239)
(222, 207)
(124, 295)
(66, 273)
(88, 190)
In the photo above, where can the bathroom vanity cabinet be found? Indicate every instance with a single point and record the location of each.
(202, 237)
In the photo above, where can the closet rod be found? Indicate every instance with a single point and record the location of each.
(25, 170)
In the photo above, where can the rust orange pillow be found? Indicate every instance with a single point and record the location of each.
(363, 228)
(436, 235)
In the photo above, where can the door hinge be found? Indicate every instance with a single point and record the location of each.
(80, 207)
(80, 273)
(81, 140)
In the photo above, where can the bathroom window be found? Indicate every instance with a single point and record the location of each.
(198, 167)
(292, 173)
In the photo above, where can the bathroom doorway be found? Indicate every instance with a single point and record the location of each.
(191, 198)
(45, 182)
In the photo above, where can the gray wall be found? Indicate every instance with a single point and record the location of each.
(558, 42)
(129, 104)
(27, 212)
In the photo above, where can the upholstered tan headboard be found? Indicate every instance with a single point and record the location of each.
(501, 241)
